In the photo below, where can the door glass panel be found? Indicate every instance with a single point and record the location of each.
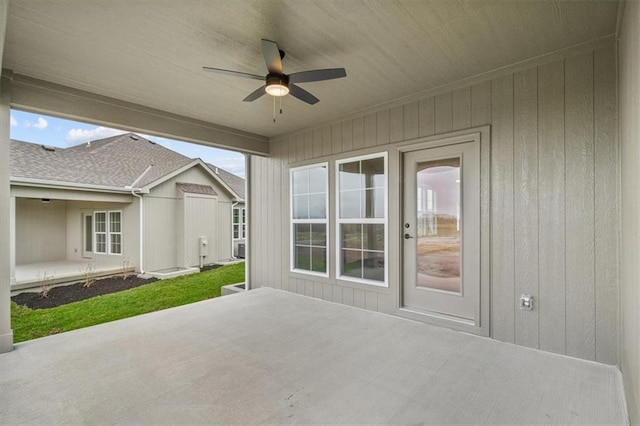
(438, 225)
(88, 233)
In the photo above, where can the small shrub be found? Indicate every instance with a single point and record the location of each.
(89, 273)
(125, 269)
(46, 283)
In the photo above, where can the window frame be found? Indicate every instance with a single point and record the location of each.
(241, 225)
(107, 233)
(110, 233)
(362, 221)
(325, 222)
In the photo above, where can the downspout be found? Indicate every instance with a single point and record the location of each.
(141, 236)
(232, 225)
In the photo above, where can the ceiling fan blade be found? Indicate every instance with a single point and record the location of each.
(317, 75)
(272, 56)
(234, 73)
(255, 94)
(302, 94)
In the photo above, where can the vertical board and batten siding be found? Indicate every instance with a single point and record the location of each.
(554, 206)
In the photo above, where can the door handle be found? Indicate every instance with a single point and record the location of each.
(407, 236)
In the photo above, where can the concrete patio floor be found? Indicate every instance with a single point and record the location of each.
(267, 356)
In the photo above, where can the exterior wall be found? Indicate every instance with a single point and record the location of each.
(130, 233)
(164, 219)
(630, 208)
(200, 220)
(554, 226)
(41, 231)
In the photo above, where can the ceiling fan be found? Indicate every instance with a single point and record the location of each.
(279, 84)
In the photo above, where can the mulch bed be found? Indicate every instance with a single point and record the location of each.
(62, 295)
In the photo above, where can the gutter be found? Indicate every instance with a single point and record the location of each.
(66, 185)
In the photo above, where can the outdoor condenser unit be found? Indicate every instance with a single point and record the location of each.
(241, 250)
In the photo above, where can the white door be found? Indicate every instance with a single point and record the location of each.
(441, 231)
(87, 235)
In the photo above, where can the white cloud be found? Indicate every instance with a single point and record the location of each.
(77, 136)
(14, 122)
(234, 165)
(40, 124)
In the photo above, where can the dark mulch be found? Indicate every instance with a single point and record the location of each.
(62, 295)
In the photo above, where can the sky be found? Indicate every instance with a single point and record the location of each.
(45, 130)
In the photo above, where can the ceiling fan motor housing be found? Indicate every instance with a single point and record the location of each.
(277, 84)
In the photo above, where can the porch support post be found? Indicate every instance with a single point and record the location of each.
(6, 252)
(248, 205)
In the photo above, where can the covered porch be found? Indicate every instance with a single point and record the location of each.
(34, 275)
(275, 357)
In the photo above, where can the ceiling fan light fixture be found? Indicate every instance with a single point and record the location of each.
(277, 89)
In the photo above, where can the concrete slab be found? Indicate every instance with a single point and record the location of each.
(267, 356)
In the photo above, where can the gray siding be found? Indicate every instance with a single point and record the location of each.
(165, 223)
(553, 216)
(41, 231)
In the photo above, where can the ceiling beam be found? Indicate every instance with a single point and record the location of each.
(40, 96)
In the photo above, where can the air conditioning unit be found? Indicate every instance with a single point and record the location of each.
(241, 250)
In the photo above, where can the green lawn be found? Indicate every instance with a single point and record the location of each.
(29, 324)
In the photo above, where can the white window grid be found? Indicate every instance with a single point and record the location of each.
(105, 238)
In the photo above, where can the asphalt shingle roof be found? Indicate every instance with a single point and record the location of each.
(117, 161)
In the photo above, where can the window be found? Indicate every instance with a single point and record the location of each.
(309, 201)
(108, 232)
(239, 223)
(362, 219)
(115, 233)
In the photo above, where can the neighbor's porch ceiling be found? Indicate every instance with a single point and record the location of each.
(152, 52)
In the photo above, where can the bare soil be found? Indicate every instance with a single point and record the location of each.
(65, 294)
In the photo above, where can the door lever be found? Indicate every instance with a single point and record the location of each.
(407, 236)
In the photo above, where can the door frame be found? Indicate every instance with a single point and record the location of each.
(87, 254)
(482, 136)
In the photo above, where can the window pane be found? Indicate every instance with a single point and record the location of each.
(100, 222)
(317, 206)
(319, 235)
(373, 266)
(302, 258)
(351, 236)
(114, 222)
(88, 235)
(318, 179)
(373, 172)
(101, 243)
(116, 243)
(318, 259)
(236, 215)
(350, 204)
(350, 176)
(373, 203)
(236, 230)
(373, 237)
(352, 263)
(301, 181)
(301, 206)
(302, 232)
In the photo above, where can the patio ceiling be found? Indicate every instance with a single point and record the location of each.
(152, 53)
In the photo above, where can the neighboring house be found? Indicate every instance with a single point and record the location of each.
(239, 212)
(122, 202)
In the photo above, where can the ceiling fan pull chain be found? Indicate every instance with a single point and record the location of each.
(280, 104)
(274, 109)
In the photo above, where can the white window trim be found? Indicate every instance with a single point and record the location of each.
(293, 222)
(364, 221)
(107, 233)
(241, 224)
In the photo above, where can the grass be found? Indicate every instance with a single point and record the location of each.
(30, 324)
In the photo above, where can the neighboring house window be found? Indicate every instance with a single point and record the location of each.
(115, 233)
(100, 229)
(108, 232)
(239, 223)
(362, 219)
(309, 219)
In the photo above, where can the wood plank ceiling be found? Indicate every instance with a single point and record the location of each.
(151, 52)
